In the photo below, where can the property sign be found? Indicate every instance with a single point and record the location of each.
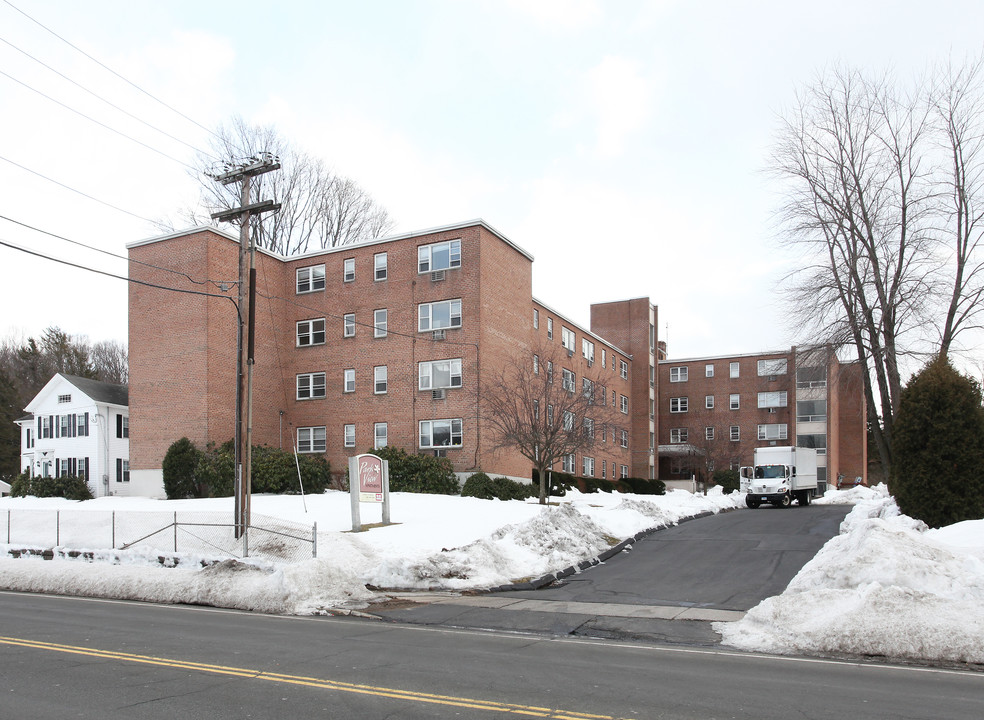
(368, 482)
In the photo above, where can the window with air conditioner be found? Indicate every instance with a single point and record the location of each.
(438, 374)
(440, 433)
(310, 279)
(439, 315)
(439, 256)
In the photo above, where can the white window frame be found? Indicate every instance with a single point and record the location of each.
(380, 377)
(624, 439)
(536, 364)
(773, 366)
(568, 462)
(308, 329)
(735, 433)
(452, 426)
(734, 401)
(425, 256)
(773, 431)
(348, 380)
(734, 369)
(708, 402)
(425, 315)
(380, 266)
(709, 433)
(588, 350)
(380, 434)
(312, 439)
(348, 325)
(623, 402)
(623, 370)
(679, 404)
(680, 373)
(348, 270)
(678, 436)
(348, 435)
(425, 374)
(568, 421)
(380, 322)
(536, 319)
(568, 380)
(311, 386)
(709, 370)
(568, 338)
(588, 465)
(309, 279)
(773, 399)
(549, 328)
(624, 471)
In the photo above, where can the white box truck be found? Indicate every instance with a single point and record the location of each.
(780, 475)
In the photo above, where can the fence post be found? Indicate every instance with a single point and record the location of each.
(57, 528)
(314, 541)
(8, 527)
(113, 523)
(175, 531)
(246, 541)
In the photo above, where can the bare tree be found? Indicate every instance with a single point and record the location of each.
(319, 208)
(535, 408)
(881, 188)
(111, 362)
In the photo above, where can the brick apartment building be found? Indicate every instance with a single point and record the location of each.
(382, 342)
(714, 411)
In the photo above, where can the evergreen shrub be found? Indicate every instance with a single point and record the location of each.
(69, 487)
(418, 473)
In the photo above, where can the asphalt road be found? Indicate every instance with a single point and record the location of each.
(75, 658)
(727, 562)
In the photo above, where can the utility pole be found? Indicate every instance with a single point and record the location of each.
(257, 165)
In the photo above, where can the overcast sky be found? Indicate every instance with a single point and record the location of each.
(621, 143)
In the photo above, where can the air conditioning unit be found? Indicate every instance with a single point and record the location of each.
(438, 334)
(437, 276)
(773, 378)
(437, 394)
(590, 362)
(772, 410)
(570, 353)
(440, 453)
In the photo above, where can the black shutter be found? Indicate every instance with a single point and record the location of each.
(57, 467)
(39, 427)
(51, 426)
(87, 424)
(119, 470)
(119, 425)
(86, 469)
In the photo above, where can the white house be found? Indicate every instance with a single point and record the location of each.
(80, 427)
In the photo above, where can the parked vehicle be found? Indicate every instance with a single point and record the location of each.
(780, 475)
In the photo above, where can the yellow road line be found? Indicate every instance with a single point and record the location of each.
(397, 694)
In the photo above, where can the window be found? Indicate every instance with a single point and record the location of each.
(810, 377)
(733, 370)
(379, 322)
(549, 415)
(652, 337)
(549, 328)
(623, 369)
(775, 399)
(64, 467)
(652, 407)
(439, 315)
(625, 438)
(772, 431)
(122, 470)
(379, 265)
(310, 385)
(652, 376)
(438, 374)
(709, 402)
(349, 435)
(64, 398)
(348, 270)
(122, 426)
(568, 463)
(708, 433)
(348, 325)
(589, 427)
(678, 466)
(311, 439)
(603, 357)
(63, 425)
(678, 374)
(536, 364)
(311, 332)
(709, 370)
(623, 404)
(45, 428)
(568, 421)
(380, 375)
(818, 441)
(774, 366)
(28, 438)
(735, 433)
(588, 390)
(549, 371)
(734, 401)
(82, 424)
(678, 435)
(349, 380)
(624, 471)
(440, 433)
(536, 319)
(439, 256)
(587, 350)
(811, 410)
(380, 435)
(588, 465)
(310, 279)
(567, 338)
(604, 469)
(679, 404)
(568, 380)
(614, 399)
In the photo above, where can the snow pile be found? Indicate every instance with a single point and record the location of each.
(438, 542)
(885, 586)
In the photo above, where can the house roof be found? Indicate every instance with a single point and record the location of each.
(99, 391)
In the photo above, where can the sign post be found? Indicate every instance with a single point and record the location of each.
(368, 482)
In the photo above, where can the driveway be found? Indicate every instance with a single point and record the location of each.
(668, 587)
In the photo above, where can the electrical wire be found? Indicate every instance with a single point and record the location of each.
(107, 102)
(109, 69)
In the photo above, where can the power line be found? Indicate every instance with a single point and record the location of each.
(99, 123)
(112, 105)
(79, 192)
(109, 69)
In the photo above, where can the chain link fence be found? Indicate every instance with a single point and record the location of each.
(207, 534)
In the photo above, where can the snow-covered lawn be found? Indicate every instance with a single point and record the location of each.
(885, 586)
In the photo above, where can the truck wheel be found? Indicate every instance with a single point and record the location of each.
(804, 498)
(751, 502)
(784, 501)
